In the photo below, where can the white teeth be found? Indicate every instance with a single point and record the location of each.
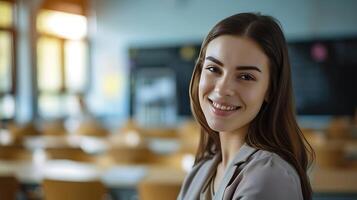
(222, 107)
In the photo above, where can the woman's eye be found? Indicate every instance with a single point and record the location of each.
(212, 69)
(246, 77)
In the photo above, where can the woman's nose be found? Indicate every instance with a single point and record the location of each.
(224, 86)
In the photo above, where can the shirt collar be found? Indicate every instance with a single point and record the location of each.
(243, 154)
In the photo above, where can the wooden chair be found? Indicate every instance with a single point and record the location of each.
(20, 131)
(131, 155)
(155, 190)
(14, 152)
(189, 135)
(73, 190)
(55, 127)
(159, 132)
(9, 187)
(92, 127)
(68, 153)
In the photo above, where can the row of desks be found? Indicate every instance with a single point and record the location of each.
(327, 180)
(115, 176)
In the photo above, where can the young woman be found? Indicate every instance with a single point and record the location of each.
(251, 147)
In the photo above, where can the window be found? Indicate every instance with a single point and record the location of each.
(7, 60)
(62, 61)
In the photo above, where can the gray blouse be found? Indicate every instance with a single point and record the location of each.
(252, 175)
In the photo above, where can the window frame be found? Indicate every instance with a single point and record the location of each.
(64, 90)
(13, 67)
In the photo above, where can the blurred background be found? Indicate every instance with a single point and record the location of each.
(94, 93)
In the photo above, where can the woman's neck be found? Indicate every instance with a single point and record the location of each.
(231, 142)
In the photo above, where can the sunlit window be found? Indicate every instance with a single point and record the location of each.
(61, 24)
(62, 65)
(52, 106)
(75, 62)
(5, 14)
(49, 64)
(7, 65)
(5, 61)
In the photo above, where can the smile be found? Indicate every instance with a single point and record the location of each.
(223, 109)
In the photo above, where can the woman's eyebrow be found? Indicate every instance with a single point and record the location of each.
(239, 67)
(210, 58)
(242, 67)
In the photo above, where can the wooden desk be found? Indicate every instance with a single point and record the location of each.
(33, 173)
(335, 180)
(89, 144)
(123, 179)
(323, 180)
(126, 177)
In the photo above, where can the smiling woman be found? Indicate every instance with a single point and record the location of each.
(233, 83)
(241, 94)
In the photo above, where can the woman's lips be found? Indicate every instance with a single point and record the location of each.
(223, 110)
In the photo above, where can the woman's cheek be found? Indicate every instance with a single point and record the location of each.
(203, 82)
(255, 96)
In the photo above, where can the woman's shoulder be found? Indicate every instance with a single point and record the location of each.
(204, 165)
(269, 167)
(268, 176)
(271, 161)
(197, 177)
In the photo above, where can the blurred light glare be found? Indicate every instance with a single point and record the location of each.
(7, 106)
(66, 25)
(39, 156)
(93, 145)
(5, 137)
(70, 170)
(111, 84)
(187, 162)
(132, 139)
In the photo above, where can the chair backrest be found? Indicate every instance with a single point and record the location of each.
(14, 152)
(73, 190)
(9, 187)
(20, 131)
(92, 128)
(131, 155)
(68, 153)
(153, 190)
(55, 127)
(189, 136)
(28, 129)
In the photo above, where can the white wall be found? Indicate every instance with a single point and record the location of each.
(121, 23)
(24, 98)
(143, 20)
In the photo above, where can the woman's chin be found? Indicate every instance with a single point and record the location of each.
(219, 127)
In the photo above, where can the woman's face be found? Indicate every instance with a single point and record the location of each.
(234, 82)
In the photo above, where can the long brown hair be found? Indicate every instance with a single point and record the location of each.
(275, 128)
